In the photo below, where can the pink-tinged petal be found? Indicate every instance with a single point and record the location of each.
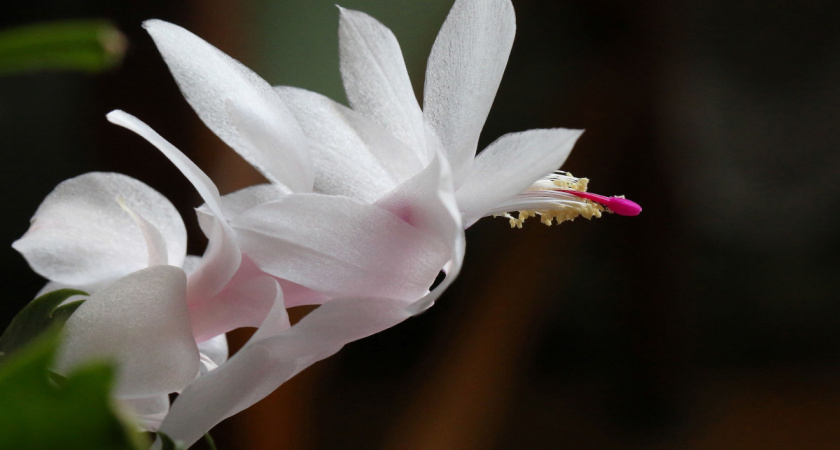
(297, 295)
(262, 366)
(276, 321)
(149, 412)
(341, 247)
(427, 202)
(238, 105)
(142, 322)
(218, 265)
(510, 165)
(222, 257)
(81, 236)
(463, 74)
(353, 155)
(243, 303)
(376, 80)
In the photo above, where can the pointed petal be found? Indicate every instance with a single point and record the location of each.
(222, 257)
(353, 156)
(464, 70)
(81, 236)
(238, 105)
(149, 412)
(261, 367)
(376, 80)
(340, 246)
(511, 164)
(142, 321)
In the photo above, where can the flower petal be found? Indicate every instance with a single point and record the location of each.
(243, 303)
(213, 353)
(81, 236)
(376, 80)
(236, 203)
(142, 321)
(238, 105)
(464, 71)
(155, 242)
(340, 246)
(428, 203)
(222, 257)
(353, 156)
(262, 366)
(511, 164)
(149, 412)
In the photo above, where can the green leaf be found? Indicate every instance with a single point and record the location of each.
(86, 45)
(39, 314)
(61, 313)
(36, 413)
(211, 443)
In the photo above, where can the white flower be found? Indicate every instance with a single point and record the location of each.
(85, 235)
(366, 204)
(123, 242)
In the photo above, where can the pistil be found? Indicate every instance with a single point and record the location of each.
(560, 197)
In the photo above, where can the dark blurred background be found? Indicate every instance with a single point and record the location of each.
(711, 321)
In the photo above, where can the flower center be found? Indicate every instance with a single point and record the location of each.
(561, 197)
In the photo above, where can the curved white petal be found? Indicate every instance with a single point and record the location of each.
(376, 80)
(340, 246)
(149, 412)
(511, 164)
(236, 203)
(81, 236)
(222, 257)
(142, 322)
(464, 71)
(238, 105)
(262, 366)
(353, 156)
(452, 270)
(213, 353)
(276, 321)
(155, 242)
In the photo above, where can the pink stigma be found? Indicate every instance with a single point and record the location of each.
(618, 205)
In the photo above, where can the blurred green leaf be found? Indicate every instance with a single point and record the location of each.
(211, 443)
(86, 45)
(76, 414)
(39, 314)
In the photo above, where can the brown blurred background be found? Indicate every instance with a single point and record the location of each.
(711, 321)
